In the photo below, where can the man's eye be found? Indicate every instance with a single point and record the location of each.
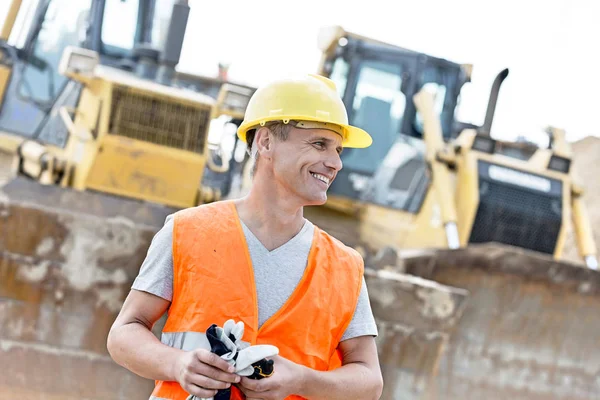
(320, 144)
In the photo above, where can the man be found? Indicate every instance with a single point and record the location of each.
(257, 260)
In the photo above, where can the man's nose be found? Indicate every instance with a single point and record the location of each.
(334, 161)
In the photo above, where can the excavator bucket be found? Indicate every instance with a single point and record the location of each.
(508, 323)
(67, 261)
(488, 321)
(415, 318)
(529, 330)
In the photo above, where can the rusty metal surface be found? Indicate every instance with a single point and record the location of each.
(44, 371)
(67, 261)
(415, 319)
(530, 329)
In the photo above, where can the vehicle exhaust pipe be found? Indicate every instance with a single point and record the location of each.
(486, 128)
(171, 52)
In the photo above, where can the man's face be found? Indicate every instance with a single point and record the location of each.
(307, 162)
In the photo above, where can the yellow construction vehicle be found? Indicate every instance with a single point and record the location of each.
(447, 181)
(104, 139)
(100, 139)
(462, 234)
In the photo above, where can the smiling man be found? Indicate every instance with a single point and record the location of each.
(259, 261)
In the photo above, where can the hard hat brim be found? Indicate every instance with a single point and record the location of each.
(354, 137)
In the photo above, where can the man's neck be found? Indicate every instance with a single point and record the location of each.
(271, 216)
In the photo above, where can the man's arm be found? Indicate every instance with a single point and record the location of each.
(358, 378)
(132, 345)
(131, 342)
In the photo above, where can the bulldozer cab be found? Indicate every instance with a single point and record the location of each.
(477, 223)
(377, 83)
(135, 93)
(34, 52)
(30, 58)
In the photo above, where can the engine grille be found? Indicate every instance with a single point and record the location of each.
(517, 215)
(158, 120)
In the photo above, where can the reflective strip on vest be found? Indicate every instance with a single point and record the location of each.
(157, 398)
(186, 341)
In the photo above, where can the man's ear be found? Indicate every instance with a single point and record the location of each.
(264, 142)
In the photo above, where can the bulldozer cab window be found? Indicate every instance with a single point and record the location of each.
(63, 25)
(402, 178)
(160, 22)
(35, 85)
(372, 89)
(339, 75)
(377, 107)
(119, 36)
(442, 82)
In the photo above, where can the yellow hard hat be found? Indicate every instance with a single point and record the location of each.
(310, 99)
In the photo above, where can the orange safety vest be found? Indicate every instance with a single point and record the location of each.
(213, 281)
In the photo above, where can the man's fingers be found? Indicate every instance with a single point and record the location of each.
(212, 359)
(208, 383)
(251, 394)
(200, 392)
(214, 373)
(255, 385)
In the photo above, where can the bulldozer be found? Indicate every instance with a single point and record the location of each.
(103, 138)
(100, 139)
(462, 235)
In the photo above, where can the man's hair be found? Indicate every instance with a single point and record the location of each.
(280, 130)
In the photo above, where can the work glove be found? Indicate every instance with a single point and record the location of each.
(249, 361)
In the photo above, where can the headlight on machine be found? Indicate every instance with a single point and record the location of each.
(76, 60)
(518, 178)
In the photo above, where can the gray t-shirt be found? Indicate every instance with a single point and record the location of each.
(276, 273)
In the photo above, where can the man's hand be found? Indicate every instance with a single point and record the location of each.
(287, 379)
(201, 373)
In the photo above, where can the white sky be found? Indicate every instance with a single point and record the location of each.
(552, 48)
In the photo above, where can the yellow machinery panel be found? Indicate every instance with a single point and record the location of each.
(530, 170)
(146, 171)
(466, 195)
(162, 120)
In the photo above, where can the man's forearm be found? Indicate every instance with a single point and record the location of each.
(136, 348)
(351, 381)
